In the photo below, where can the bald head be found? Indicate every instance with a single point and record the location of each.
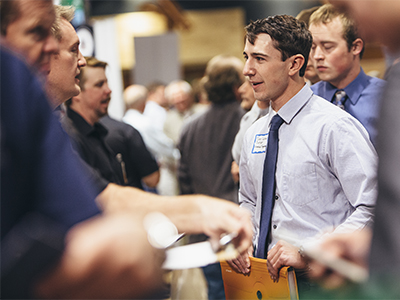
(179, 95)
(135, 97)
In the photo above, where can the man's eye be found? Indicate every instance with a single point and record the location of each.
(40, 33)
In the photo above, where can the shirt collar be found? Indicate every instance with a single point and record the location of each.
(295, 104)
(84, 127)
(353, 90)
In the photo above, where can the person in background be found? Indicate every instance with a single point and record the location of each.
(111, 153)
(310, 75)
(182, 107)
(199, 94)
(300, 172)
(376, 248)
(179, 94)
(161, 146)
(337, 51)
(255, 110)
(138, 165)
(84, 112)
(156, 104)
(206, 143)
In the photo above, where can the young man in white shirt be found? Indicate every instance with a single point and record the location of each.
(325, 176)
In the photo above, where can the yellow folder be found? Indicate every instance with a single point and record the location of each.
(258, 284)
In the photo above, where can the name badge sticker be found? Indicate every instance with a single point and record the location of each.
(260, 143)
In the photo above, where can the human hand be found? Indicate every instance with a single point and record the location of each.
(283, 254)
(241, 264)
(220, 217)
(106, 257)
(191, 214)
(353, 247)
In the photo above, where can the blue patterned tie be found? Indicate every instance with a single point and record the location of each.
(339, 98)
(268, 190)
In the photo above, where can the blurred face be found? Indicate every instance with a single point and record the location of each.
(332, 59)
(378, 20)
(31, 34)
(247, 95)
(267, 73)
(180, 100)
(96, 94)
(311, 73)
(159, 96)
(65, 66)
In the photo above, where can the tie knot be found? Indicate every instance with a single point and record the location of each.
(340, 94)
(276, 122)
(340, 98)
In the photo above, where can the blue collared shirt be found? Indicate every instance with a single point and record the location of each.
(363, 102)
(325, 174)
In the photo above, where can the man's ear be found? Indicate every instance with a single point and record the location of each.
(296, 63)
(357, 46)
(76, 99)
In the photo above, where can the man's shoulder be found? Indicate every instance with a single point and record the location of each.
(118, 130)
(113, 124)
(318, 86)
(376, 82)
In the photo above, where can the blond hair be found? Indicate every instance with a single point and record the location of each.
(327, 13)
(62, 12)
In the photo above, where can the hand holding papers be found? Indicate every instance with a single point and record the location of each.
(196, 255)
(162, 234)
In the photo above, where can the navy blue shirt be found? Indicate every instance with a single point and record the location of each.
(39, 171)
(363, 100)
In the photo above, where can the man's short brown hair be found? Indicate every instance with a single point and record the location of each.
(289, 35)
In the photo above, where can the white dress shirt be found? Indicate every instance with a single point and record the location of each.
(325, 174)
(156, 113)
(156, 141)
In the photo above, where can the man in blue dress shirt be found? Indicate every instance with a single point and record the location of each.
(337, 50)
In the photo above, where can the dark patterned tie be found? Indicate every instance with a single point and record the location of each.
(339, 98)
(268, 190)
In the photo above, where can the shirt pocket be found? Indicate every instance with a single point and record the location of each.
(300, 186)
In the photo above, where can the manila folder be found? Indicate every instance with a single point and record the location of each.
(258, 284)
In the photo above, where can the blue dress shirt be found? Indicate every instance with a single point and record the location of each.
(325, 172)
(363, 102)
